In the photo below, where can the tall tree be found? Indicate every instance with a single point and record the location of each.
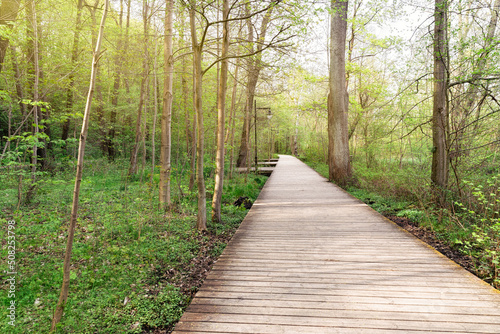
(440, 115)
(74, 59)
(122, 50)
(197, 47)
(166, 116)
(254, 65)
(221, 122)
(142, 95)
(338, 134)
(63, 297)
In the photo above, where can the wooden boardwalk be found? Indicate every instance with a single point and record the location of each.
(309, 258)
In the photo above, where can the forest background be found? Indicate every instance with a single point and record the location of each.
(184, 93)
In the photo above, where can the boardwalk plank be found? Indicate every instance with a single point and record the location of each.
(309, 258)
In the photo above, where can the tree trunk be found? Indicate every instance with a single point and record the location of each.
(8, 14)
(221, 122)
(254, 67)
(74, 58)
(200, 140)
(471, 95)
(155, 106)
(74, 209)
(36, 71)
(166, 117)
(440, 161)
(119, 60)
(142, 96)
(338, 144)
(232, 119)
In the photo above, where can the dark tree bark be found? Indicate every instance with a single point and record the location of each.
(440, 160)
(338, 134)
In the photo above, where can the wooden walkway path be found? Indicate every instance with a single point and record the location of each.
(309, 258)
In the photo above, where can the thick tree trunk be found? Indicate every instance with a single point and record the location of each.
(79, 169)
(338, 134)
(440, 160)
(8, 14)
(221, 122)
(166, 117)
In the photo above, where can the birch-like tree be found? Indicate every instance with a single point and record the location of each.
(63, 297)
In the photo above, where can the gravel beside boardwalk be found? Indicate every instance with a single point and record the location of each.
(309, 258)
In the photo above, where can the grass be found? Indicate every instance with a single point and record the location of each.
(123, 248)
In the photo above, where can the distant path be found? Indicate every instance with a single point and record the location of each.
(309, 258)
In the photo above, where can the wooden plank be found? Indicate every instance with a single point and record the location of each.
(404, 310)
(312, 287)
(349, 290)
(228, 328)
(423, 325)
(344, 314)
(308, 258)
(288, 296)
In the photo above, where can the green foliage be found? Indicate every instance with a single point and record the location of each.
(123, 248)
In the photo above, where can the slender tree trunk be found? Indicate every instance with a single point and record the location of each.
(155, 105)
(74, 59)
(36, 79)
(142, 97)
(221, 122)
(254, 67)
(119, 61)
(81, 151)
(295, 149)
(232, 120)
(200, 140)
(338, 155)
(192, 176)
(166, 117)
(472, 93)
(440, 160)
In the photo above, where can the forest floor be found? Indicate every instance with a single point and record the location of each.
(134, 267)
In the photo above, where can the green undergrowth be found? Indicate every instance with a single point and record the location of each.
(470, 223)
(123, 248)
